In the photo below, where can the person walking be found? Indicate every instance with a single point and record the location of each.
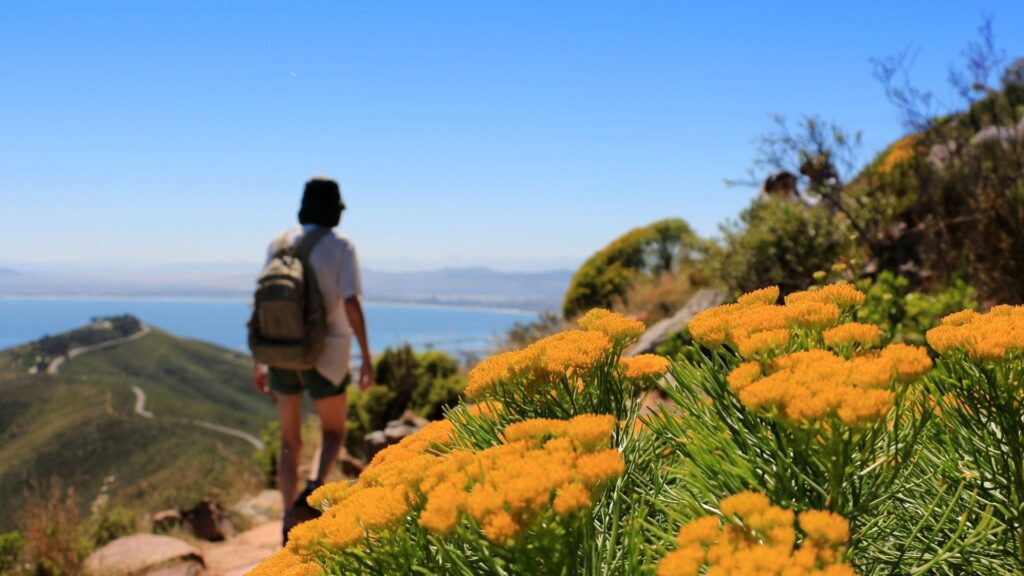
(327, 260)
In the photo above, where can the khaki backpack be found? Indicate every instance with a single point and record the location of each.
(289, 323)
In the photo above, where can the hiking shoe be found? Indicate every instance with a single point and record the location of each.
(287, 523)
(303, 511)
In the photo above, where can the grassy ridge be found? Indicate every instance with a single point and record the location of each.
(80, 425)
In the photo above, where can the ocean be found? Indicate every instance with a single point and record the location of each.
(459, 331)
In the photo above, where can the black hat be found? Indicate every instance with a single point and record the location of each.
(321, 202)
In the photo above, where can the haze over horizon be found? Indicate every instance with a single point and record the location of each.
(519, 137)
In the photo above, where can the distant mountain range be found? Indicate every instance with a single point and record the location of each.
(450, 286)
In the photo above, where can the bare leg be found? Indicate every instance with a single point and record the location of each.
(289, 414)
(333, 412)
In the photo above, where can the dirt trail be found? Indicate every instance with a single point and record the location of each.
(242, 553)
(56, 363)
(140, 409)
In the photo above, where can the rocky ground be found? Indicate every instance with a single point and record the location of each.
(180, 552)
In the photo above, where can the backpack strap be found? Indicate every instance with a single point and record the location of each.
(309, 241)
(280, 246)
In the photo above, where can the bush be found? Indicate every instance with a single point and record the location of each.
(54, 541)
(523, 334)
(798, 441)
(664, 246)
(422, 383)
(266, 457)
(12, 546)
(908, 315)
(780, 242)
(110, 524)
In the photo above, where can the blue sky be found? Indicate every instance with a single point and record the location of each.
(518, 135)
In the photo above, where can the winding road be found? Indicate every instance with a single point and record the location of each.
(140, 394)
(140, 409)
(56, 363)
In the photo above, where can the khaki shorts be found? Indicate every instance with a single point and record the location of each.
(295, 381)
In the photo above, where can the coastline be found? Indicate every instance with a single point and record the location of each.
(244, 300)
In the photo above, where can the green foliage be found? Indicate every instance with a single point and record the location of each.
(423, 383)
(522, 334)
(908, 315)
(55, 539)
(110, 524)
(12, 547)
(780, 242)
(431, 401)
(81, 425)
(947, 200)
(979, 407)
(664, 246)
(266, 458)
(102, 329)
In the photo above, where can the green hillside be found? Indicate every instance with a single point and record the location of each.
(81, 425)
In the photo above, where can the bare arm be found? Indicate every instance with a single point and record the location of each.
(354, 311)
(259, 378)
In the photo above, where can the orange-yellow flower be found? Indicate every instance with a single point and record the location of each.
(614, 325)
(984, 337)
(570, 498)
(591, 431)
(851, 334)
(285, 562)
(767, 295)
(843, 295)
(645, 366)
(812, 315)
(825, 528)
(755, 537)
(761, 342)
(744, 375)
(536, 429)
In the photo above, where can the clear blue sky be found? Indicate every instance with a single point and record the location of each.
(510, 134)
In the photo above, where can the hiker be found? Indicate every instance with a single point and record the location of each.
(321, 317)
(781, 184)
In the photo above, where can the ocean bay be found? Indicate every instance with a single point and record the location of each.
(458, 330)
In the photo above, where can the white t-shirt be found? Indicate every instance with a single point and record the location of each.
(334, 261)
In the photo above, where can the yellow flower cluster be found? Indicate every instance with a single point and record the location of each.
(843, 295)
(614, 325)
(852, 334)
(755, 537)
(564, 353)
(901, 151)
(755, 324)
(542, 464)
(499, 488)
(381, 498)
(285, 563)
(346, 523)
(815, 384)
(644, 366)
(768, 295)
(991, 336)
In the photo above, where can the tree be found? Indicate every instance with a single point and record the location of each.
(663, 246)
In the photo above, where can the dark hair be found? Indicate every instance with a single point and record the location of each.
(321, 202)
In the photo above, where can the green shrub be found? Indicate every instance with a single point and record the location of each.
(52, 530)
(422, 383)
(266, 457)
(908, 315)
(110, 524)
(780, 242)
(522, 334)
(664, 246)
(12, 546)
